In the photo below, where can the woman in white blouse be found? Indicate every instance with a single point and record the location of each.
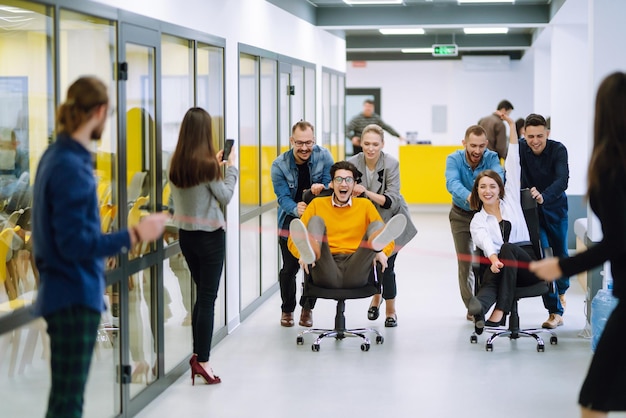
(500, 231)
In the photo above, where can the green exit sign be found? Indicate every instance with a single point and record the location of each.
(445, 50)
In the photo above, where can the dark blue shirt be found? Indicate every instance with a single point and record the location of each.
(549, 173)
(68, 243)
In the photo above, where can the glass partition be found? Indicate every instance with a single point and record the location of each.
(26, 128)
(210, 96)
(177, 91)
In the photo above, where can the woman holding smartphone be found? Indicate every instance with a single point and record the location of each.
(198, 191)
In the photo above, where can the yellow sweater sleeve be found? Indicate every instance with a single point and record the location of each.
(345, 227)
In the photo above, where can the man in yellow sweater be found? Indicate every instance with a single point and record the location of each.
(341, 237)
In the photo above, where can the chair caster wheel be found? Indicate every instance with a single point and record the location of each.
(541, 348)
(553, 340)
(365, 347)
(315, 347)
(299, 340)
(473, 339)
(380, 339)
(489, 347)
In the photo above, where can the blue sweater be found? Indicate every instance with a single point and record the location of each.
(68, 243)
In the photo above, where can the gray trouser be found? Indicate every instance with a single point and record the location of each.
(341, 271)
(460, 225)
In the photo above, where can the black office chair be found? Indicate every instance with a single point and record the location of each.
(341, 295)
(529, 207)
(340, 331)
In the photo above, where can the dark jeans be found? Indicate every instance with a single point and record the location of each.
(460, 225)
(287, 281)
(554, 235)
(389, 279)
(500, 287)
(72, 334)
(204, 253)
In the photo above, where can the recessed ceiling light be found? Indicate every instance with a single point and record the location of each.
(428, 50)
(360, 2)
(485, 1)
(402, 31)
(484, 31)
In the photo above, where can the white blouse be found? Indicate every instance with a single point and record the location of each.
(485, 229)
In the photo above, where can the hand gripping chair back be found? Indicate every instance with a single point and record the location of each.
(339, 332)
(531, 214)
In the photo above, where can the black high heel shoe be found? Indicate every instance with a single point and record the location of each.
(501, 323)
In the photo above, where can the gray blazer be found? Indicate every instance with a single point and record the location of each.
(386, 181)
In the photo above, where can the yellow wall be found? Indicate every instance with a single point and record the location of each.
(422, 173)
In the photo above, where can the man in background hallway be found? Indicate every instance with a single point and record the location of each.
(360, 121)
(496, 130)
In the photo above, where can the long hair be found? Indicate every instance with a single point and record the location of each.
(84, 96)
(193, 161)
(475, 202)
(608, 157)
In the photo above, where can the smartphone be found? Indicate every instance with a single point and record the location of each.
(228, 146)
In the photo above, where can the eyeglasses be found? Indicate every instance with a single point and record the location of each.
(301, 144)
(339, 180)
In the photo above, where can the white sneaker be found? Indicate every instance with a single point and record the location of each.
(300, 237)
(392, 230)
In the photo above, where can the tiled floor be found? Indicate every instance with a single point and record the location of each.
(425, 368)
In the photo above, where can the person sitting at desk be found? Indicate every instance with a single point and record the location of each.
(340, 237)
(499, 229)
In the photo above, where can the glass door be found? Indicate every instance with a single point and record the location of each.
(140, 288)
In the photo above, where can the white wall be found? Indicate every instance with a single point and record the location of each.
(409, 89)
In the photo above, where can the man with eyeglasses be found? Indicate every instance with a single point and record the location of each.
(338, 239)
(305, 166)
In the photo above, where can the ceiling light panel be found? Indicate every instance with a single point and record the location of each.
(370, 2)
(402, 31)
(417, 50)
(485, 31)
(484, 1)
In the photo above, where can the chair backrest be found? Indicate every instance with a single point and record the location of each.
(531, 214)
(307, 196)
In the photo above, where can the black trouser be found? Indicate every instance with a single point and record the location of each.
(500, 287)
(287, 281)
(389, 279)
(204, 252)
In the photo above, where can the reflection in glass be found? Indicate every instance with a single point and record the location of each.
(249, 131)
(269, 128)
(26, 124)
(178, 307)
(269, 250)
(249, 241)
(142, 348)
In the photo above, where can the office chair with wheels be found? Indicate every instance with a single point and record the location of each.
(529, 207)
(339, 332)
(341, 295)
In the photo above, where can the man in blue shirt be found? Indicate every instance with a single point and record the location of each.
(69, 246)
(545, 172)
(305, 166)
(462, 167)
